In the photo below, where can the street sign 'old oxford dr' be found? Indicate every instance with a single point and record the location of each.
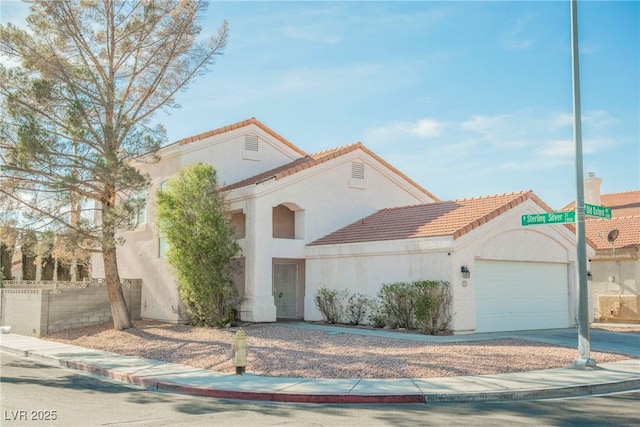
(549, 218)
(597, 211)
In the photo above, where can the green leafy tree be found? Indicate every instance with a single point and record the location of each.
(77, 112)
(191, 217)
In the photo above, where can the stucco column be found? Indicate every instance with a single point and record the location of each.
(258, 295)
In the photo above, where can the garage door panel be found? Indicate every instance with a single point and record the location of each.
(521, 295)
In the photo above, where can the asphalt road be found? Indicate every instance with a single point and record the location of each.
(33, 393)
(615, 342)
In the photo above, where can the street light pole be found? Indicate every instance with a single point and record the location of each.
(584, 357)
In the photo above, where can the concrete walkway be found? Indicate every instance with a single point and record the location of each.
(552, 383)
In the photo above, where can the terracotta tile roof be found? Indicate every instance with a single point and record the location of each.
(316, 159)
(626, 203)
(628, 227)
(238, 125)
(625, 210)
(276, 173)
(622, 204)
(450, 218)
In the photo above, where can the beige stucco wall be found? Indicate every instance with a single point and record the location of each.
(364, 267)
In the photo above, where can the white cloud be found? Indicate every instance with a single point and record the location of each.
(505, 131)
(410, 135)
(561, 120)
(589, 47)
(485, 124)
(596, 145)
(598, 119)
(318, 35)
(558, 148)
(485, 145)
(518, 37)
(424, 128)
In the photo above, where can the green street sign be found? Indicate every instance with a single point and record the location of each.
(549, 218)
(597, 211)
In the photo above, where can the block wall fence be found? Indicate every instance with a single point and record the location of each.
(41, 308)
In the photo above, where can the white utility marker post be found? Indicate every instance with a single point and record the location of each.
(584, 346)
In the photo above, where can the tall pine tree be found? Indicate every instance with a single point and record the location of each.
(77, 109)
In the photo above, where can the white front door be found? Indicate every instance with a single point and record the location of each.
(285, 290)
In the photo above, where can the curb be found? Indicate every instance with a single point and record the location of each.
(324, 398)
(497, 396)
(583, 390)
(172, 387)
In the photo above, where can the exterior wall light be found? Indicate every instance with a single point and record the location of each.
(465, 272)
(589, 275)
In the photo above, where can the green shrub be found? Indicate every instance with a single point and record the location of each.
(191, 217)
(357, 308)
(420, 304)
(397, 302)
(432, 305)
(330, 305)
(377, 317)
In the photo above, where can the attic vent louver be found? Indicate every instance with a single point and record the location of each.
(357, 170)
(251, 142)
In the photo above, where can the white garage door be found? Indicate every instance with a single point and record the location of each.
(513, 296)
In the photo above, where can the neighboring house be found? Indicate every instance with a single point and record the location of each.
(614, 285)
(287, 205)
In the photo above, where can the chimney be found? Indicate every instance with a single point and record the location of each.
(592, 189)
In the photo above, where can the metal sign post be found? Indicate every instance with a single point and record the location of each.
(584, 346)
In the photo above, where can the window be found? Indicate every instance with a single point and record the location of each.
(284, 222)
(138, 203)
(163, 246)
(238, 220)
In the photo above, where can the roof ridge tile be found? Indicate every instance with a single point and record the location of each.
(620, 192)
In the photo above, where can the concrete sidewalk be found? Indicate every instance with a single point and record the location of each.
(171, 377)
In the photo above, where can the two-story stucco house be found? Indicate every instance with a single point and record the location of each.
(345, 218)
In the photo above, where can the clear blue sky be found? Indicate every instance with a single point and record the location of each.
(466, 98)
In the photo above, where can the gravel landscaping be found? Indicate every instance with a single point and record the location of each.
(284, 351)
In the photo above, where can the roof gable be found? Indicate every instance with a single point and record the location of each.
(238, 125)
(450, 218)
(318, 158)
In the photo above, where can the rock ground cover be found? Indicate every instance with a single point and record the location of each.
(284, 351)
